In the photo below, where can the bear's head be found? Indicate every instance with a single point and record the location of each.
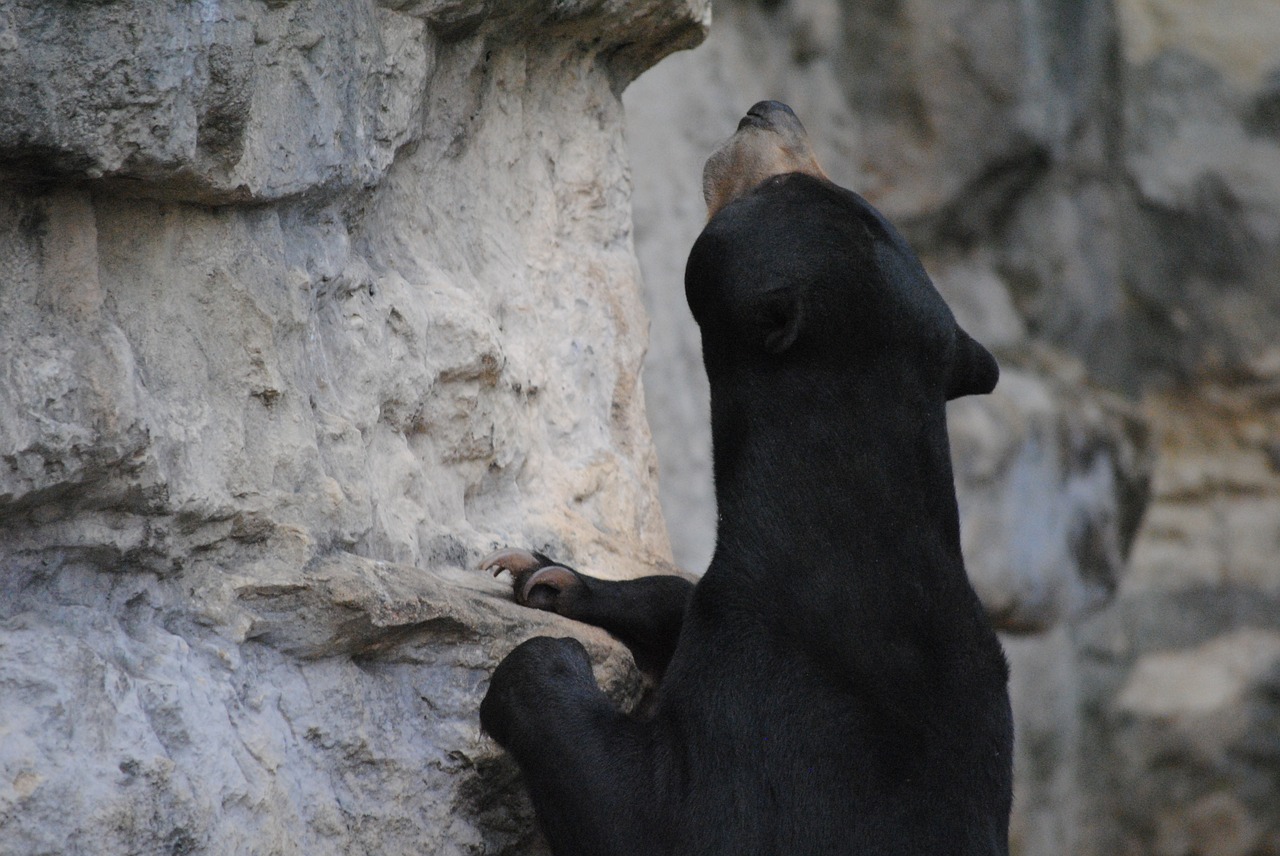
(792, 270)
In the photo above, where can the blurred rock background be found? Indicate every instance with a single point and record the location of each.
(307, 304)
(1095, 186)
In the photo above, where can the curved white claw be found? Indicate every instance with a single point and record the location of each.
(510, 559)
(555, 576)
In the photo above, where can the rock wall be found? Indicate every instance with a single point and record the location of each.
(304, 307)
(1093, 185)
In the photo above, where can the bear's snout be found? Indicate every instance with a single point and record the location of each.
(770, 141)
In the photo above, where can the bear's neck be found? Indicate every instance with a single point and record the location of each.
(855, 478)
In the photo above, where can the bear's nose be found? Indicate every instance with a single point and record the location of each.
(764, 109)
(768, 114)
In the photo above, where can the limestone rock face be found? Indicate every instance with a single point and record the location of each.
(1180, 678)
(1093, 187)
(1052, 477)
(305, 307)
(213, 101)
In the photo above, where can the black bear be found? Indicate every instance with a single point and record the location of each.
(831, 685)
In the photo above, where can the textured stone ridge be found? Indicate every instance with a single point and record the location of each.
(236, 100)
(306, 306)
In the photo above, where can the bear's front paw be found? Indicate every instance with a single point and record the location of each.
(537, 581)
(531, 683)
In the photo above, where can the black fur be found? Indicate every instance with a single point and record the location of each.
(831, 685)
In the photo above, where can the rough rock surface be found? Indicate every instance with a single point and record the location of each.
(305, 307)
(1093, 185)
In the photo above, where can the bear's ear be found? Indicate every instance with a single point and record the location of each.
(973, 370)
(781, 316)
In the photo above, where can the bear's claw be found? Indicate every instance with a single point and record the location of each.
(536, 581)
(513, 560)
(554, 577)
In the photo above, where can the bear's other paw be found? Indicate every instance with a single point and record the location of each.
(537, 581)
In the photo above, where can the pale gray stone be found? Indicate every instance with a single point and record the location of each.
(305, 306)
